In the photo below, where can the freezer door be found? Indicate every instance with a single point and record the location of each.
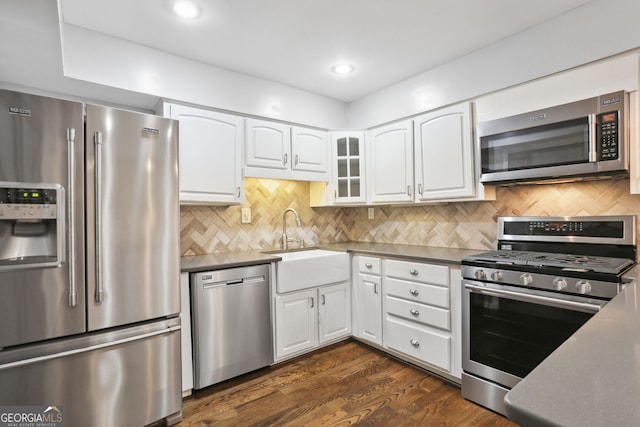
(126, 377)
(41, 254)
(132, 217)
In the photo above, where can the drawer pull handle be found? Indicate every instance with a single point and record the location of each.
(413, 272)
(414, 312)
(415, 343)
(414, 292)
(368, 265)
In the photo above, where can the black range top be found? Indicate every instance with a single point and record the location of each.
(554, 261)
(575, 255)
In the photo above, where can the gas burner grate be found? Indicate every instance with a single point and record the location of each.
(567, 262)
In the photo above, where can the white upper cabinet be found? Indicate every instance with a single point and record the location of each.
(275, 150)
(210, 166)
(309, 150)
(444, 161)
(268, 144)
(348, 167)
(390, 163)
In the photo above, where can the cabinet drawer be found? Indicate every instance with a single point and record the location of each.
(425, 273)
(369, 265)
(416, 312)
(419, 343)
(418, 292)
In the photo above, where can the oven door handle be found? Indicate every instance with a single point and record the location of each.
(536, 299)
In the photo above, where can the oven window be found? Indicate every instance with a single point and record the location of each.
(551, 145)
(515, 336)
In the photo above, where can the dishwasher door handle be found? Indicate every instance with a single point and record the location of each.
(241, 281)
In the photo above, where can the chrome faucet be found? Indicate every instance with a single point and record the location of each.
(285, 238)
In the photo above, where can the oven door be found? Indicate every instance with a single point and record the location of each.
(507, 331)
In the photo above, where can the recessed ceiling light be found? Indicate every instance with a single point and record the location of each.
(186, 9)
(343, 69)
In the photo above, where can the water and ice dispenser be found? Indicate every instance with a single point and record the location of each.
(31, 225)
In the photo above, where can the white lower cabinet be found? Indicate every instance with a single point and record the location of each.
(296, 322)
(309, 318)
(418, 342)
(420, 311)
(367, 304)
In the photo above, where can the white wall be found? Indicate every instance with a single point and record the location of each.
(110, 61)
(598, 29)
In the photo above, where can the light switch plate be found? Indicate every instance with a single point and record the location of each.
(370, 213)
(246, 215)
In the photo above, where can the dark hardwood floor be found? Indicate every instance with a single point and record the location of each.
(342, 385)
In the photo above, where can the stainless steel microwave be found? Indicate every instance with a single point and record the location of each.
(579, 140)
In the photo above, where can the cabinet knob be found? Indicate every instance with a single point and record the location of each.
(413, 272)
(368, 265)
(414, 312)
(295, 160)
(414, 292)
(286, 158)
(414, 342)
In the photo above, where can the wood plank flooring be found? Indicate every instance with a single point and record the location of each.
(346, 384)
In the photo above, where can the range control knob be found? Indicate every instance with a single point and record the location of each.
(583, 287)
(497, 276)
(526, 279)
(559, 283)
(480, 275)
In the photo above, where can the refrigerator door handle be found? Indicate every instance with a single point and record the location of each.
(73, 289)
(99, 295)
(25, 362)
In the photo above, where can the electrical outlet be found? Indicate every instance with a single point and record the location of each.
(246, 215)
(370, 213)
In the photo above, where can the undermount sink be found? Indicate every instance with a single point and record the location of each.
(301, 269)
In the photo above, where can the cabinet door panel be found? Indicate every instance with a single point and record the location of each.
(392, 163)
(348, 167)
(296, 322)
(368, 308)
(335, 312)
(268, 144)
(444, 154)
(310, 150)
(210, 159)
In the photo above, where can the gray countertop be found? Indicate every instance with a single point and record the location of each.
(191, 264)
(593, 379)
(243, 258)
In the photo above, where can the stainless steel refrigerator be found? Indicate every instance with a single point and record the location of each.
(89, 262)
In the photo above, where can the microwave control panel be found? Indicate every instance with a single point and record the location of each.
(608, 135)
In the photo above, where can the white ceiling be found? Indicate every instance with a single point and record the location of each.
(296, 42)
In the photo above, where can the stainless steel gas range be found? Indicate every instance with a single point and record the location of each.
(547, 278)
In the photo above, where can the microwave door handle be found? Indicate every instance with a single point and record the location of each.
(593, 136)
(535, 299)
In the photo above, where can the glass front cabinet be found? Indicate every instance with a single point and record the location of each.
(348, 157)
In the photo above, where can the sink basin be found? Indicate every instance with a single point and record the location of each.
(304, 269)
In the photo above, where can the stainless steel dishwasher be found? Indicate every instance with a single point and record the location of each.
(231, 323)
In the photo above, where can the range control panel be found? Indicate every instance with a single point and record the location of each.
(603, 228)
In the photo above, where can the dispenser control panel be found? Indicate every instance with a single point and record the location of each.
(28, 203)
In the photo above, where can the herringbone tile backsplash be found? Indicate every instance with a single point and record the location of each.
(470, 225)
